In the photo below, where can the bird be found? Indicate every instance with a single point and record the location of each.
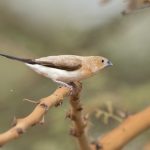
(65, 69)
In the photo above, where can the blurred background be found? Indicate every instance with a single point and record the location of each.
(38, 28)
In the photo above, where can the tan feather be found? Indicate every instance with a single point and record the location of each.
(64, 62)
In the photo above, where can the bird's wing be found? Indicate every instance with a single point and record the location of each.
(64, 62)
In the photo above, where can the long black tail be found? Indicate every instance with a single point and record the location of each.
(29, 61)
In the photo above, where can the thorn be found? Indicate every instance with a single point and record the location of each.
(97, 145)
(59, 103)
(33, 124)
(42, 121)
(70, 116)
(31, 101)
(80, 108)
(44, 106)
(75, 99)
(86, 117)
(20, 131)
(14, 122)
(85, 124)
(75, 133)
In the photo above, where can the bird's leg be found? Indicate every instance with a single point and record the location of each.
(70, 86)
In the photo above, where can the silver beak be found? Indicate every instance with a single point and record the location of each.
(109, 63)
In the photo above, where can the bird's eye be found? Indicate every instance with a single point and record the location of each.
(102, 60)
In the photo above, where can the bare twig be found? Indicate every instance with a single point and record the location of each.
(31, 101)
(21, 125)
(79, 122)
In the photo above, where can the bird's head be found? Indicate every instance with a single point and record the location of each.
(104, 62)
(99, 62)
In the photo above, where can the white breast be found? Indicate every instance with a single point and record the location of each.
(56, 74)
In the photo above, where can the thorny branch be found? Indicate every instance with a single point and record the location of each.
(79, 121)
(22, 124)
(114, 140)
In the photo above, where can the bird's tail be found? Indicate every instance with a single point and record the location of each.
(29, 61)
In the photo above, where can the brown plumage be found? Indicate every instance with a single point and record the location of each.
(65, 68)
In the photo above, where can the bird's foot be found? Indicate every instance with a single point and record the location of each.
(69, 85)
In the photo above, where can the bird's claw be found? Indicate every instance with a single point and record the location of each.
(71, 86)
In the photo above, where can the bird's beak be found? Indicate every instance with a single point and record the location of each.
(109, 63)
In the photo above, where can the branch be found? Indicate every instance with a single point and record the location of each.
(147, 146)
(124, 133)
(114, 140)
(21, 125)
(79, 122)
(136, 5)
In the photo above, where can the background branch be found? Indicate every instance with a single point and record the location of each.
(146, 146)
(124, 133)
